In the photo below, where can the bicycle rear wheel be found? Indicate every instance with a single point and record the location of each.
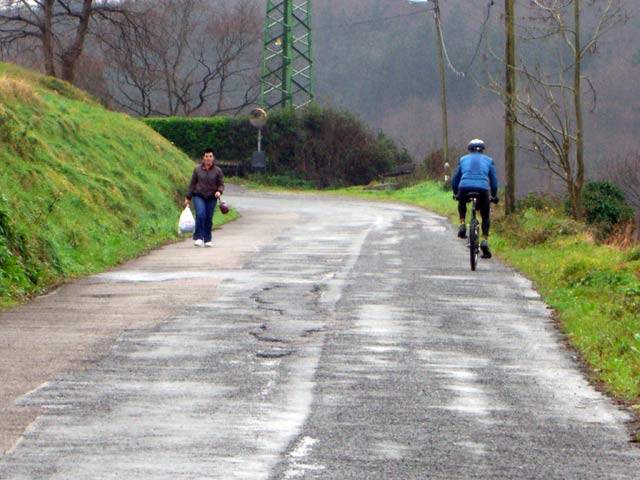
(474, 245)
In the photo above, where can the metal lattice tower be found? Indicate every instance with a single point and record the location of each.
(287, 56)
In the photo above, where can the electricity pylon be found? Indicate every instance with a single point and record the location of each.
(287, 55)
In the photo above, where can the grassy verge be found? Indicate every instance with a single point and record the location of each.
(279, 183)
(595, 289)
(81, 188)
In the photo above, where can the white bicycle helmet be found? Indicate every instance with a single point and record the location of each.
(476, 145)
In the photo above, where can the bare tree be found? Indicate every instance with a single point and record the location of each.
(133, 73)
(234, 34)
(548, 106)
(185, 58)
(626, 174)
(22, 20)
(60, 27)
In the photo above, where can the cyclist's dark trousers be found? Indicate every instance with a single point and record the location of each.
(484, 205)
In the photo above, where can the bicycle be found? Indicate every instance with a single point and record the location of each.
(474, 229)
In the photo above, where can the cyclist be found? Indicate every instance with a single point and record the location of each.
(476, 172)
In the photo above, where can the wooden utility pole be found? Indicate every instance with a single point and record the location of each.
(443, 87)
(510, 108)
(577, 99)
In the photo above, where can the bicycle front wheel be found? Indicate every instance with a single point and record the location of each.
(474, 245)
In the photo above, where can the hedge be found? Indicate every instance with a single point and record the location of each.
(324, 146)
(231, 138)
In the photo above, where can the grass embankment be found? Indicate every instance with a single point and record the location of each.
(595, 289)
(81, 188)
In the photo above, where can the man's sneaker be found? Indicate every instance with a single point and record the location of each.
(208, 244)
(484, 246)
(198, 243)
(462, 231)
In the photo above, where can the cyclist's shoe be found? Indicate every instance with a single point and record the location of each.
(484, 246)
(462, 231)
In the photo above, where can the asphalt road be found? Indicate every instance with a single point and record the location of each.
(351, 342)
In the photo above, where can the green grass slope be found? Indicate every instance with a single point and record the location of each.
(81, 188)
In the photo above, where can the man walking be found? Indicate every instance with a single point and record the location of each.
(206, 187)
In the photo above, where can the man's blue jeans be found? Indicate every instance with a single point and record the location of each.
(204, 218)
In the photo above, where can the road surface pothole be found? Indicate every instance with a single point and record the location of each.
(312, 331)
(106, 295)
(275, 353)
(265, 338)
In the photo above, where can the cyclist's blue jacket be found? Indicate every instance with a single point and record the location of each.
(475, 171)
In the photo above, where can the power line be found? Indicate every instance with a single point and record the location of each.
(450, 65)
(477, 49)
(444, 47)
(483, 32)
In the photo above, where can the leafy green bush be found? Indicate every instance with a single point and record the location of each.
(230, 138)
(577, 270)
(580, 274)
(605, 207)
(633, 255)
(323, 146)
(532, 227)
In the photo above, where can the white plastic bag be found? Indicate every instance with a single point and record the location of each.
(187, 223)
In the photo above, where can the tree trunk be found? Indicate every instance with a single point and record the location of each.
(47, 38)
(72, 54)
(577, 94)
(572, 197)
(443, 88)
(510, 108)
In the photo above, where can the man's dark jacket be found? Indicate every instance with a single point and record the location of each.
(205, 183)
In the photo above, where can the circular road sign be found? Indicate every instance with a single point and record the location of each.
(258, 117)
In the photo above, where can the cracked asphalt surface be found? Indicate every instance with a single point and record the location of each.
(354, 344)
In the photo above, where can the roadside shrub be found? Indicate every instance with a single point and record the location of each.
(633, 255)
(623, 236)
(193, 135)
(324, 146)
(433, 164)
(577, 270)
(536, 201)
(632, 299)
(532, 227)
(585, 273)
(605, 207)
